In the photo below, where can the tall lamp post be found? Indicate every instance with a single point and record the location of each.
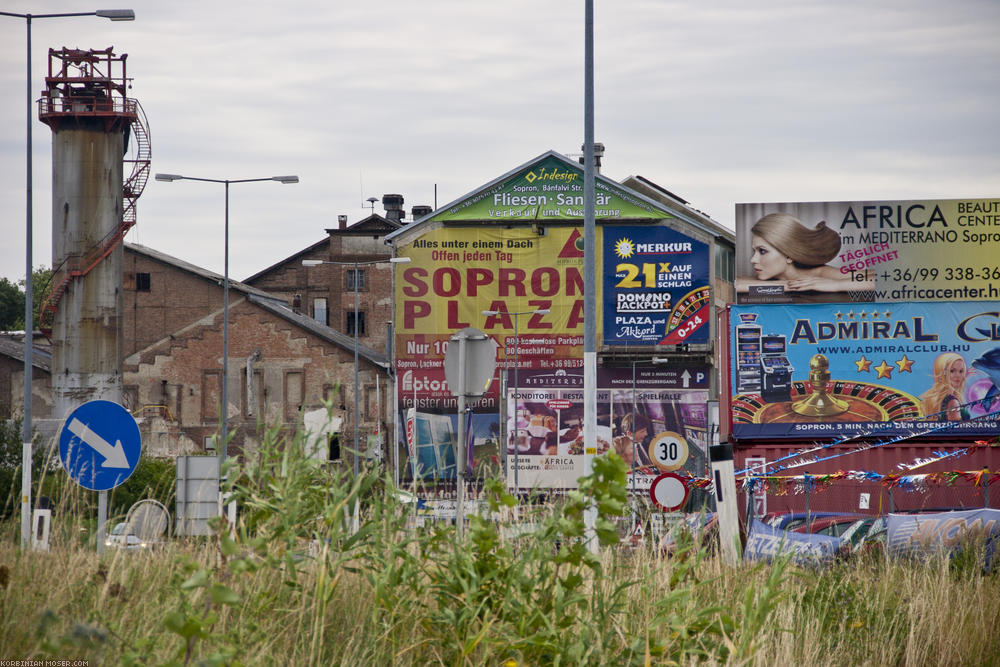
(29, 309)
(356, 264)
(517, 447)
(167, 178)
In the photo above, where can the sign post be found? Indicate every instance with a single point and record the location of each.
(669, 492)
(469, 365)
(90, 459)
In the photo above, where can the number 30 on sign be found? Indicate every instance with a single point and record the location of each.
(668, 451)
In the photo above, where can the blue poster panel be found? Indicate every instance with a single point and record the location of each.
(864, 370)
(922, 535)
(766, 543)
(656, 287)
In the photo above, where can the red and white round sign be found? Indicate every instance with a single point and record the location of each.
(669, 491)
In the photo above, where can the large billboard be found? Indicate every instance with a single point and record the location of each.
(457, 273)
(868, 251)
(658, 292)
(550, 189)
(637, 411)
(864, 370)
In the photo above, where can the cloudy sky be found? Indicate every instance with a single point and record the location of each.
(720, 102)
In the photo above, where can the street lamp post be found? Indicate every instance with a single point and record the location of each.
(356, 264)
(167, 178)
(29, 309)
(490, 313)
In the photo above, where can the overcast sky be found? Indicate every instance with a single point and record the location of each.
(720, 102)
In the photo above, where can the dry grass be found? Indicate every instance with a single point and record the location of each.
(71, 604)
(295, 589)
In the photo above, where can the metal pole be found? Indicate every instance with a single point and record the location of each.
(356, 388)
(805, 484)
(102, 520)
(460, 449)
(589, 272)
(517, 445)
(632, 435)
(29, 330)
(224, 445)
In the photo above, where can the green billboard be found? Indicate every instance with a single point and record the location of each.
(550, 189)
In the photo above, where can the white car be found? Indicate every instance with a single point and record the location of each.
(120, 538)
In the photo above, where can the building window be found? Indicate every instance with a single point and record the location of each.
(211, 395)
(360, 323)
(294, 393)
(333, 452)
(725, 263)
(142, 282)
(320, 312)
(355, 279)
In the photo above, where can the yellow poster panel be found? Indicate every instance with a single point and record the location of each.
(457, 273)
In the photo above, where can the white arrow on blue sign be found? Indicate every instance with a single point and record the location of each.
(85, 447)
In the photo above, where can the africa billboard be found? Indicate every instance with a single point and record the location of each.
(658, 292)
(868, 251)
(864, 370)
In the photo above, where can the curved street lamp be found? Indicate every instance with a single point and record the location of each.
(29, 309)
(356, 264)
(168, 178)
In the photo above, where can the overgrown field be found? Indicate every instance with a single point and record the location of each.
(294, 586)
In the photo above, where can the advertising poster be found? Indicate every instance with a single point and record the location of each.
(457, 273)
(550, 189)
(849, 370)
(766, 543)
(868, 251)
(635, 414)
(925, 535)
(656, 287)
(430, 442)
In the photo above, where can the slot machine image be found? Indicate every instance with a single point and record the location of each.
(748, 351)
(776, 371)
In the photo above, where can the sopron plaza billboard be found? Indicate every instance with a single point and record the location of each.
(652, 281)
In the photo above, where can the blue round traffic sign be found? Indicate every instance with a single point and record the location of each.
(99, 445)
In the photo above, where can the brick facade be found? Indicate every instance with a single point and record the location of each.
(173, 362)
(303, 286)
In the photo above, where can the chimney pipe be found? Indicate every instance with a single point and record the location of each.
(341, 222)
(598, 155)
(420, 211)
(393, 205)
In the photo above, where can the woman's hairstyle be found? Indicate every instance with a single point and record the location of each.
(806, 247)
(632, 422)
(933, 398)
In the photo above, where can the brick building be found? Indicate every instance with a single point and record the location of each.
(283, 366)
(326, 292)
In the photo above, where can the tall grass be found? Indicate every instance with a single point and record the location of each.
(294, 585)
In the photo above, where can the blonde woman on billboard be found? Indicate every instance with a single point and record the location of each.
(787, 252)
(945, 396)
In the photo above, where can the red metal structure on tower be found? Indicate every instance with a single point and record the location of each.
(87, 90)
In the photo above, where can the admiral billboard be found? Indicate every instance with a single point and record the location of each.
(868, 251)
(873, 370)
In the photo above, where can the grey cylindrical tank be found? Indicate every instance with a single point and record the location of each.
(86, 210)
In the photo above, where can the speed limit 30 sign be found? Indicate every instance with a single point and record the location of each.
(668, 451)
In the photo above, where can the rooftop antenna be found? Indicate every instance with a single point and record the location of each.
(371, 203)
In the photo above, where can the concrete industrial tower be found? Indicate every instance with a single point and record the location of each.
(93, 122)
